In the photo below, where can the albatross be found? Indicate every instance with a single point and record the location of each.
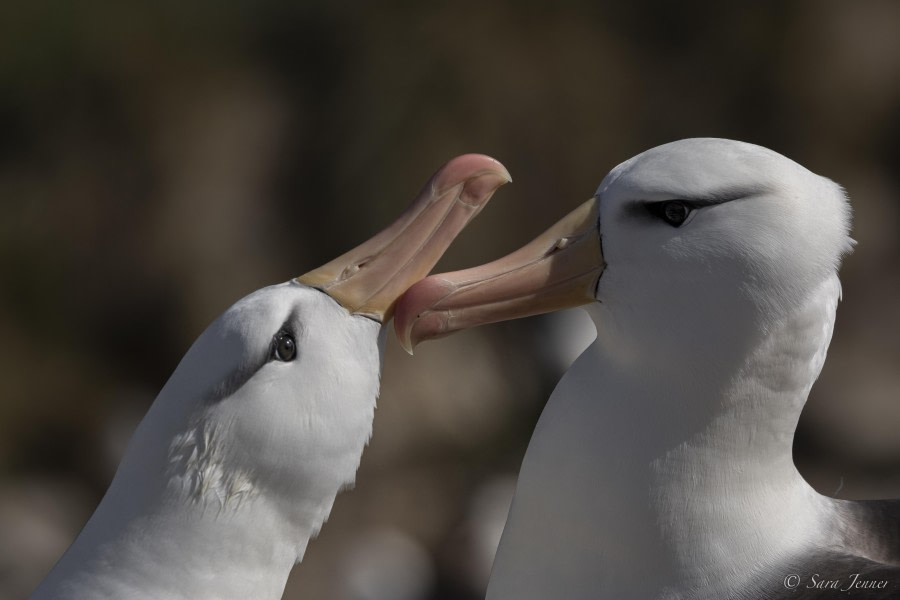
(661, 466)
(237, 463)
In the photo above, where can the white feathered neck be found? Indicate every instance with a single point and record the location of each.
(236, 465)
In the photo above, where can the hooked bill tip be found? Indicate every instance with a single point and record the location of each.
(479, 174)
(416, 316)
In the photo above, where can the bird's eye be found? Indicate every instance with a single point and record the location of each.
(673, 212)
(285, 348)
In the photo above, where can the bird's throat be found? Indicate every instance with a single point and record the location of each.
(694, 475)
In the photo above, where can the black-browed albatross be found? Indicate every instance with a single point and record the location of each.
(237, 463)
(661, 467)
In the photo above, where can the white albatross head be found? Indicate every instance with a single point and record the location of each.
(238, 461)
(678, 239)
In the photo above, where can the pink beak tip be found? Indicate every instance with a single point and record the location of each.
(479, 174)
(412, 310)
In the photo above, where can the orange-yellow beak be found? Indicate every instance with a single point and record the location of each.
(558, 269)
(369, 279)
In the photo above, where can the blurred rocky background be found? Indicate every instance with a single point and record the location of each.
(160, 160)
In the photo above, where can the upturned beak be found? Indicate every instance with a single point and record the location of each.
(369, 279)
(558, 269)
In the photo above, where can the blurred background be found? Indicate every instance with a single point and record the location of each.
(158, 161)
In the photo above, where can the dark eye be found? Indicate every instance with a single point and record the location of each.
(673, 212)
(285, 349)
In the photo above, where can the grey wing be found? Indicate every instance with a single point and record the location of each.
(867, 567)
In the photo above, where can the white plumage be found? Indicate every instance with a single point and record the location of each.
(661, 466)
(238, 461)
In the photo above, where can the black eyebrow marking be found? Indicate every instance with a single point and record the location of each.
(240, 375)
(236, 379)
(721, 195)
(638, 208)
